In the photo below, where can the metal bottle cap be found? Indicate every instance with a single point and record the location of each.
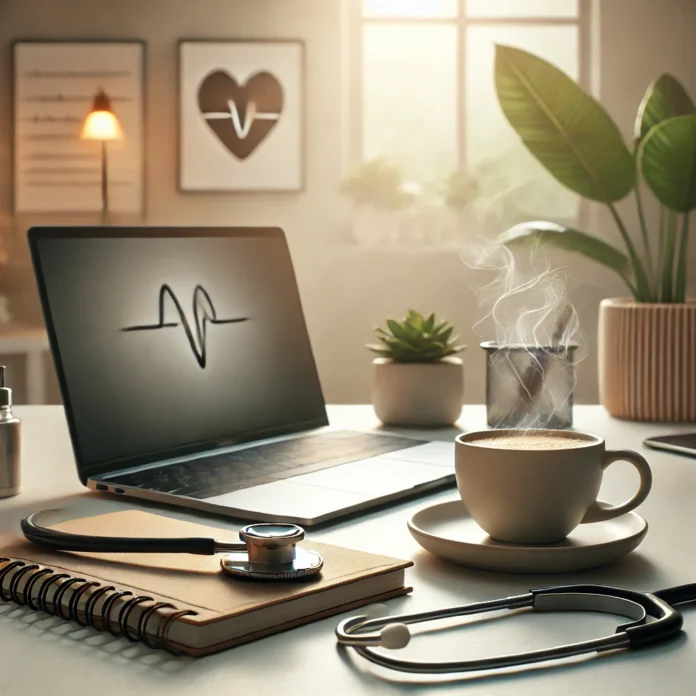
(5, 392)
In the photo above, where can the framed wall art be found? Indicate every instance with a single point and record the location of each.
(241, 115)
(55, 85)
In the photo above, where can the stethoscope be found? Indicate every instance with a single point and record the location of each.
(652, 615)
(270, 552)
(267, 551)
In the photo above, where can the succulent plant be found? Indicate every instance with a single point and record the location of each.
(416, 339)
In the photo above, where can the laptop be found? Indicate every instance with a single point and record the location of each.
(188, 378)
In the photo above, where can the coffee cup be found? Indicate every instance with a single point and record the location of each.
(536, 486)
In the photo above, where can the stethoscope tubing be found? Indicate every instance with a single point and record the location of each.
(365, 634)
(64, 541)
(266, 551)
(615, 642)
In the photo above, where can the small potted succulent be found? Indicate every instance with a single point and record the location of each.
(417, 380)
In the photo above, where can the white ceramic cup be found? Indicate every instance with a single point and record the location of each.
(538, 496)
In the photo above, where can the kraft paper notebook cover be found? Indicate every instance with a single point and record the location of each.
(183, 602)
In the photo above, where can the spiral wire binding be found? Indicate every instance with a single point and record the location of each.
(75, 600)
(42, 599)
(55, 605)
(58, 597)
(162, 634)
(92, 602)
(14, 583)
(125, 614)
(107, 608)
(145, 617)
(30, 586)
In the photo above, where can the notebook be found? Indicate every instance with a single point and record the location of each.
(179, 602)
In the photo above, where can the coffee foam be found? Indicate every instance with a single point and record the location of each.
(530, 442)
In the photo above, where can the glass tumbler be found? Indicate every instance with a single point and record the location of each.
(529, 386)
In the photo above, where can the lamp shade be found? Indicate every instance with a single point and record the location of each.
(101, 122)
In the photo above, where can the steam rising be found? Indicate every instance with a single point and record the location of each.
(531, 375)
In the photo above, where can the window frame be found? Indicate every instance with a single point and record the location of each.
(355, 20)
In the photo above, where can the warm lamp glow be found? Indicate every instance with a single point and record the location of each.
(101, 125)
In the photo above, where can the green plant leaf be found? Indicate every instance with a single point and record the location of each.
(398, 330)
(665, 98)
(388, 341)
(382, 350)
(444, 335)
(667, 159)
(563, 237)
(415, 319)
(567, 130)
(401, 347)
(415, 339)
(415, 334)
(439, 327)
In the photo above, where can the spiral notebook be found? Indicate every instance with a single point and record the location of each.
(179, 602)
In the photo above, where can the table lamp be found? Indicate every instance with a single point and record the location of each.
(101, 124)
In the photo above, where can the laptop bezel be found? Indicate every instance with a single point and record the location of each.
(37, 233)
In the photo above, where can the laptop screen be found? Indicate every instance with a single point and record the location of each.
(174, 341)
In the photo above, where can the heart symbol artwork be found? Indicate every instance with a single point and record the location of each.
(240, 115)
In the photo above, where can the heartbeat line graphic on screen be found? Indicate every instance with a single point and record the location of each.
(204, 313)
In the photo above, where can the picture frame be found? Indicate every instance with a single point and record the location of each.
(241, 115)
(54, 86)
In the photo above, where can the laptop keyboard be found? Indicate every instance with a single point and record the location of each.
(221, 473)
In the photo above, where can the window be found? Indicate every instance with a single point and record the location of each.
(426, 96)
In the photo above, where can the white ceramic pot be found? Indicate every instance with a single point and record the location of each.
(647, 360)
(424, 395)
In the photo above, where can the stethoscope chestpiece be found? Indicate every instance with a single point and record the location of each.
(272, 554)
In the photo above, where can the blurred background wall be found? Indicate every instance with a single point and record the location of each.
(347, 287)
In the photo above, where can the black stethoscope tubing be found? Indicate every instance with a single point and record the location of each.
(266, 551)
(365, 634)
(64, 541)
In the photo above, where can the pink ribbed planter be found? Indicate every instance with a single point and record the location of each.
(647, 360)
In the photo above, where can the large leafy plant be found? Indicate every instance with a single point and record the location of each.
(575, 139)
(416, 339)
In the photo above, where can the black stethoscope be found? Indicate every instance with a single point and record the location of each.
(266, 552)
(653, 618)
(270, 552)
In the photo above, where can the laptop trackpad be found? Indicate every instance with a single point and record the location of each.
(287, 499)
(374, 477)
(325, 491)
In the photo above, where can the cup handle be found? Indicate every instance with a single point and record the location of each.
(599, 512)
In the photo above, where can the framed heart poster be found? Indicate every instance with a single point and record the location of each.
(241, 115)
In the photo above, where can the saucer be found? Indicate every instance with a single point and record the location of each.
(447, 530)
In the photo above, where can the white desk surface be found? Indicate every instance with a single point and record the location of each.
(41, 655)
